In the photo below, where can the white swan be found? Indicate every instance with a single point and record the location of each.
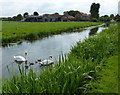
(21, 58)
(46, 62)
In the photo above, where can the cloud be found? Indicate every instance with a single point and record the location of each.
(14, 7)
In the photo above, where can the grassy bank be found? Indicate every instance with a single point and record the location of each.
(16, 31)
(74, 73)
(107, 77)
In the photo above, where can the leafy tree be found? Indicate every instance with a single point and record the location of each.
(35, 14)
(56, 13)
(19, 17)
(112, 16)
(94, 20)
(25, 14)
(94, 10)
(117, 18)
(105, 18)
(71, 13)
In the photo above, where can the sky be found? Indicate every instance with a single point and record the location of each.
(10, 8)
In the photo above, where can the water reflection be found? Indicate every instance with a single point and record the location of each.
(93, 31)
(107, 24)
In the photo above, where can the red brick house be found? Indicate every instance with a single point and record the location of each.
(67, 18)
(82, 16)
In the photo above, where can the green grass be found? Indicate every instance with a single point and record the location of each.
(15, 31)
(74, 72)
(107, 78)
(0, 86)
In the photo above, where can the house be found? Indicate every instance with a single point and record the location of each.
(82, 16)
(7, 19)
(49, 18)
(67, 17)
(44, 18)
(33, 19)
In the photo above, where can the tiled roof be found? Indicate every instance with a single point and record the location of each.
(82, 14)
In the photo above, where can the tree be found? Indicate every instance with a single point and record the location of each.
(94, 10)
(117, 18)
(71, 13)
(105, 18)
(35, 14)
(25, 14)
(19, 17)
(56, 13)
(112, 16)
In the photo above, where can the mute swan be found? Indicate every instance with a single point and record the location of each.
(21, 58)
(46, 62)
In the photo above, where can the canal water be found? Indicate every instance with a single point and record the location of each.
(41, 49)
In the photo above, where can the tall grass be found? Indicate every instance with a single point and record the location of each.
(73, 73)
(16, 31)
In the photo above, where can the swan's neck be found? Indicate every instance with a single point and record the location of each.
(25, 56)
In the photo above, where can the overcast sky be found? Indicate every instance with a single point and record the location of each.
(14, 7)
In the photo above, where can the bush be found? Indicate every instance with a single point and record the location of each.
(94, 20)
